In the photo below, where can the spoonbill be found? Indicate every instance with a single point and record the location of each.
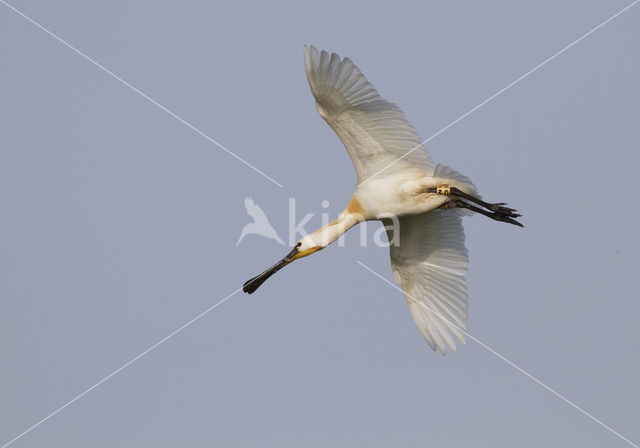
(399, 185)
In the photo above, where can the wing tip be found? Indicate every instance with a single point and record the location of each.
(335, 79)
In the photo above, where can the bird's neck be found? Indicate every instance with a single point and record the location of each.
(332, 231)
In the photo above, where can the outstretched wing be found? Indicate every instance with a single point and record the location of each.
(430, 263)
(374, 131)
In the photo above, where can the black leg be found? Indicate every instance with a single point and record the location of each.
(497, 215)
(499, 207)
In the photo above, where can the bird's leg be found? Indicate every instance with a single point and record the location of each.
(497, 215)
(498, 207)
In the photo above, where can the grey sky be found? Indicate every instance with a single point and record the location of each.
(119, 225)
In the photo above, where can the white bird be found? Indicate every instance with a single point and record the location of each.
(260, 225)
(420, 204)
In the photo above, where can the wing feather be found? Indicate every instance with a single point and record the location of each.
(374, 131)
(430, 264)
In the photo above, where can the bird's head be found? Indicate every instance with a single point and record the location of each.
(306, 246)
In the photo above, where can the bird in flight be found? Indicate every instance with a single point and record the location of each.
(260, 225)
(421, 204)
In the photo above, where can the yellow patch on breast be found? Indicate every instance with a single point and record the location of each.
(355, 207)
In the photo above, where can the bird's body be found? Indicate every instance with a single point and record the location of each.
(420, 203)
(404, 193)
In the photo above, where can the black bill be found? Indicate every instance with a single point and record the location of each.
(251, 285)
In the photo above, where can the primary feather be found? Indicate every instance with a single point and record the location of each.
(430, 264)
(374, 131)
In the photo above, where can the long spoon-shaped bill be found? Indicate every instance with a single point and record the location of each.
(251, 285)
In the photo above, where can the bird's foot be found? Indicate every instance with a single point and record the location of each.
(505, 217)
(503, 214)
(500, 209)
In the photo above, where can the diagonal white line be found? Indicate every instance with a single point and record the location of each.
(269, 178)
(124, 366)
(557, 394)
(502, 90)
(151, 100)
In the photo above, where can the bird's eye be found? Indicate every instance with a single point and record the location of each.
(299, 244)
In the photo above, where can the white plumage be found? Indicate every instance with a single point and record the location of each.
(397, 183)
(431, 260)
(430, 265)
(374, 131)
